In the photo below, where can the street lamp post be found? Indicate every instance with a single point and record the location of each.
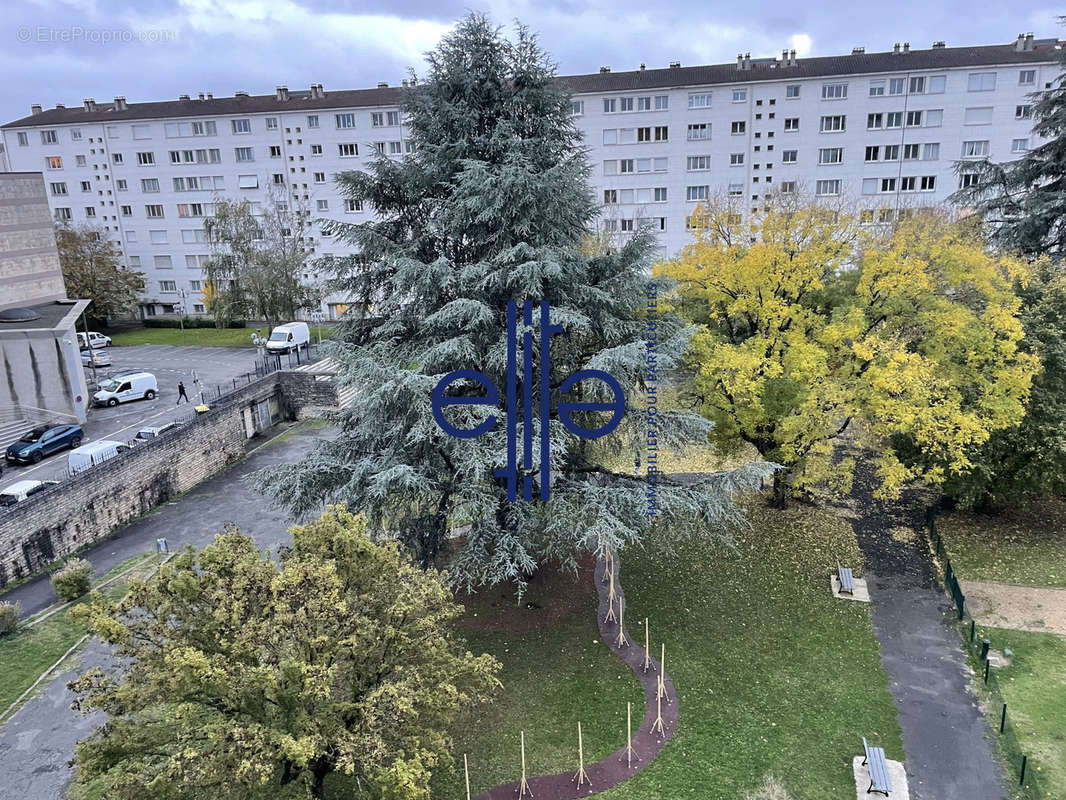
(181, 317)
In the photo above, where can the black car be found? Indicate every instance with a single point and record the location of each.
(43, 441)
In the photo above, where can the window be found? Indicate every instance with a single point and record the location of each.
(792, 123)
(167, 286)
(827, 188)
(875, 121)
(789, 156)
(1027, 77)
(316, 149)
(127, 211)
(937, 84)
(834, 123)
(625, 166)
(625, 103)
(907, 184)
(577, 107)
(736, 159)
(696, 193)
(792, 91)
(247, 181)
(662, 133)
(917, 85)
(643, 104)
(353, 205)
(831, 155)
(1019, 145)
(895, 86)
(740, 95)
(24, 140)
(192, 210)
(275, 151)
(914, 119)
(738, 127)
(348, 150)
(610, 196)
(610, 167)
(116, 158)
(967, 179)
(873, 152)
(975, 149)
(888, 184)
(834, 91)
(149, 185)
(86, 186)
(58, 189)
(279, 178)
(891, 152)
(609, 105)
(153, 211)
(90, 212)
(702, 100)
(927, 183)
(120, 184)
(931, 151)
(194, 236)
(981, 82)
(112, 131)
(699, 131)
(1023, 112)
(158, 237)
(912, 152)
(131, 237)
(211, 156)
(877, 88)
(345, 120)
(241, 125)
(643, 134)
(894, 119)
(662, 102)
(934, 117)
(626, 225)
(146, 159)
(63, 214)
(320, 177)
(698, 163)
(312, 120)
(377, 119)
(271, 123)
(79, 161)
(49, 137)
(243, 154)
(395, 148)
(659, 195)
(788, 187)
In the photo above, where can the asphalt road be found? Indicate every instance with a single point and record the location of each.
(213, 367)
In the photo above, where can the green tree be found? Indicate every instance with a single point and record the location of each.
(91, 271)
(247, 678)
(493, 205)
(811, 327)
(1024, 200)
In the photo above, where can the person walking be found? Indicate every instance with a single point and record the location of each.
(181, 393)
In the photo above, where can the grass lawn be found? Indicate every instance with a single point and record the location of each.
(1026, 545)
(200, 337)
(774, 674)
(30, 651)
(1034, 688)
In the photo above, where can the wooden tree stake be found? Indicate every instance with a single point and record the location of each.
(466, 774)
(580, 776)
(630, 752)
(611, 596)
(608, 563)
(662, 672)
(621, 641)
(523, 787)
(647, 649)
(658, 724)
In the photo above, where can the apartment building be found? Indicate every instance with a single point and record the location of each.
(881, 130)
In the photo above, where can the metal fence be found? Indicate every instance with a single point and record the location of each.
(1019, 765)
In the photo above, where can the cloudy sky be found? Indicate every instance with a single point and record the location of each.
(61, 51)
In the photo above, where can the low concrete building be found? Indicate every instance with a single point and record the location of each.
(43, 376)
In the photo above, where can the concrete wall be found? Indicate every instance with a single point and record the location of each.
(94, 504)
(43, 375)
(29, 262)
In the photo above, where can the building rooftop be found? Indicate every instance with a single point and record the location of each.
(1026, 50)
(58, 314)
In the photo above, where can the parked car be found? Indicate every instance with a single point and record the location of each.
(288, 337)
(93, 340)
(43, 441)
(152, 431)
(89, 455)
(127, 387)
(20, 490)
(99, 358)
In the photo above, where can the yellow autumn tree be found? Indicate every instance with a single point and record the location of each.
(810, 324)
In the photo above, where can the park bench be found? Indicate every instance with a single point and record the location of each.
(875, 760)
(847, 580)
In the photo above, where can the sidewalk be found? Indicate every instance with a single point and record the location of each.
(948, 754)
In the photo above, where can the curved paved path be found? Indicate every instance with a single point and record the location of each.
(613, 769)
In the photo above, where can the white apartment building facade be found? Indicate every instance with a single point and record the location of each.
(882, 130)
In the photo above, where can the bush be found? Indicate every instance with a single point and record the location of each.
(73, 580)
(772, 789)
(190, 322)
(9, 617)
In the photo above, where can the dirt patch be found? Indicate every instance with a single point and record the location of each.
(552, 595)
(1024, 608)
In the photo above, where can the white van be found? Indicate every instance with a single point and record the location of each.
(93, 340)
(288, 337)
(131, 386)
(20, 490)
(89, 455)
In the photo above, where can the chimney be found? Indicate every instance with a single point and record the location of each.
(90, 104)
(60, 105)
(120, 104)
(1030, 43)
(604, 70)
(747, 61)
(404, 83)
(643, 66)
(675, 65)
(895, 48)
(210, 96)
(240, 93)
(906, 47)
(282, 94)
(201, 96)
(940, 44)
(740, 61)
(1019, 43)
(183, 97)
(35, 108)
(383, 84)
(321, 91)
(858, 51)
(792, 58)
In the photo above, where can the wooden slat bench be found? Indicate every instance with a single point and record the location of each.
(878, 766)
(847, 580)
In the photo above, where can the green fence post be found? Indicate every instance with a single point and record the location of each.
(973, 630)
(984, 648)
(987, 665)
(1021, 780)
(1003, 719)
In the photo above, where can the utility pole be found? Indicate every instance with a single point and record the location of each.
(89, 345)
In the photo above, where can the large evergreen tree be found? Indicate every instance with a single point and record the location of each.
(492, 206)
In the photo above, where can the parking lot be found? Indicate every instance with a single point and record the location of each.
(200, 368)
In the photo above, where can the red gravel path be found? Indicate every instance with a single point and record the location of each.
(612, 770)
